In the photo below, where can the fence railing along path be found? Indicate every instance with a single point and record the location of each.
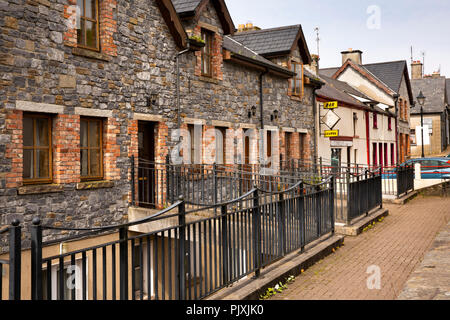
(189, 260)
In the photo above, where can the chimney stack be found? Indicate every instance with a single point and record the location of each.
(315, 64)
(247, 27)
(353, 55)
(436, 74)
(416, 70)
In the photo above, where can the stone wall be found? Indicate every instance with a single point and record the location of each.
(42, 70)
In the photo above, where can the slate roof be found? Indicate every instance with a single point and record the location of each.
(343, 86)
(390, 73)
(183, 6)
(328, 72)
(239, 49)
(342, 91)
(434, 91)
(333, 90)
(269, 41)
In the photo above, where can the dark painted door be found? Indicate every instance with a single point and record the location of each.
(146, 171)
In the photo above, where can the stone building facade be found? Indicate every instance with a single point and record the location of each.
(127, 85)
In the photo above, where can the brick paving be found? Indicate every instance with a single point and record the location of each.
(396, 245)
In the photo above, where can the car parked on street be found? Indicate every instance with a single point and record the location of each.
(431, 168)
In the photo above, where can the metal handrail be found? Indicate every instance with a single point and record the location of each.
(125, 225)
(223, 203)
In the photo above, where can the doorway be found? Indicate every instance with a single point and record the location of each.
(146, 165)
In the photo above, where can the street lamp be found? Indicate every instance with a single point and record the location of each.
(421, 99)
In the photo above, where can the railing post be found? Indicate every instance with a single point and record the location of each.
(169, 198)
(321, 167)
(215, 187)
(380, 188)
(398, 180)
(36, 259)
(225, 249)
(256, 233)
(302, 217)
(182, 249)
(366, 176)
(349, 199)
(15, 232)
(331, 200)
(282, 224)
(123, 257)
(133, 181)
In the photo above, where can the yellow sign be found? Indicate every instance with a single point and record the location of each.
(330, 105)
(331, 133)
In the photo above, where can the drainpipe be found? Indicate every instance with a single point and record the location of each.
(316, 122)
(368, 138)
(397, 123)
(261, 109)
(177, 58)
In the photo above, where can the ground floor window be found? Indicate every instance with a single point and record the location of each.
(37, 148)
(91, 145)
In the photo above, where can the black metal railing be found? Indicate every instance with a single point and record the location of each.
(157, 185)
(364, 195)
(11, 265)
(405, 180)
(195, 255)
(397, 180)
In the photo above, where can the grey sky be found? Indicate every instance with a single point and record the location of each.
(425, 25)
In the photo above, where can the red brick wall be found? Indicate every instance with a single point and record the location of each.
(108, 26)
(111, 150)
(66, 149)
(217, 59)
(70, 36)
(14, 149)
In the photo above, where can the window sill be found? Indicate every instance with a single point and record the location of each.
(296, 98)
(208, 79)
(87, 185)
(90, 54)
(39, 189)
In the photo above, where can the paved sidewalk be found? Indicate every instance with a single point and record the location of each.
(431, 280)
(396, 245)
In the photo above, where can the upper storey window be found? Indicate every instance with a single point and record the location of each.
(207, 36)
(296, 83)
(88, 24)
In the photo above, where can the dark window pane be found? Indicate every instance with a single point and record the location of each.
(28, 164)
(91, 34)
(42, 132)
(84, 163)
(90, 9)
(28, 132)
(94, 137)
(80, 5)
(83, 133)
(42, 164)
(80, 33)
(95, 163)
